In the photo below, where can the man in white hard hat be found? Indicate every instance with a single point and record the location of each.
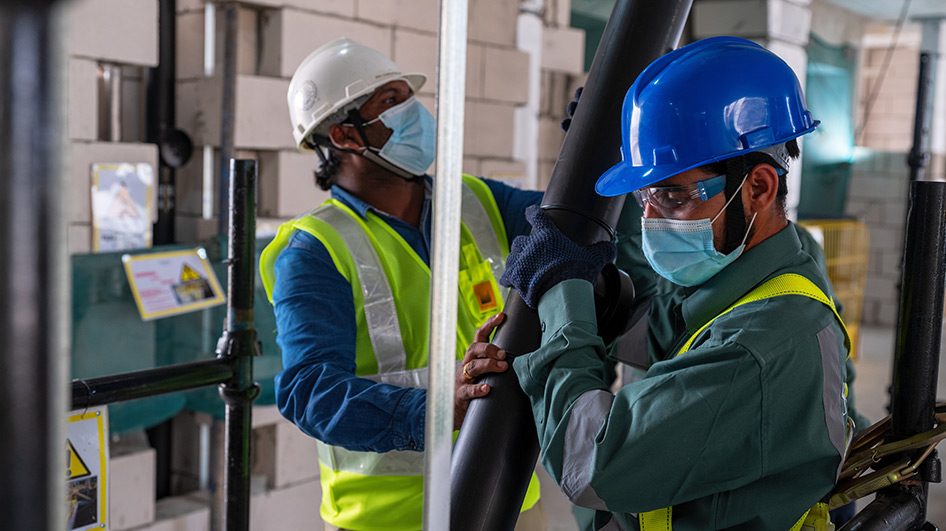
(349, 282)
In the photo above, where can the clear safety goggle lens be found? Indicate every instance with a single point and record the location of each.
(676, 201)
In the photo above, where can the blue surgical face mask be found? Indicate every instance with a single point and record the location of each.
(412, 143)
(682, 251)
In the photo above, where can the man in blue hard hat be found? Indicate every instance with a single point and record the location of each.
(741, 420)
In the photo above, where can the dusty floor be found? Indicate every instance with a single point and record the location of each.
(874, 366)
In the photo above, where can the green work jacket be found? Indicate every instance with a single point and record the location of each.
(744, 431)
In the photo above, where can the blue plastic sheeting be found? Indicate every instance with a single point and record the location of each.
(109, 337)
(829, 151)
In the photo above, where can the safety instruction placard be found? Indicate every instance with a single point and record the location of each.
(87, 469)
(122, 206)
(172, 283)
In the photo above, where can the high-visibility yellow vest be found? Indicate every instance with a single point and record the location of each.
(391, 291)
(815, 518)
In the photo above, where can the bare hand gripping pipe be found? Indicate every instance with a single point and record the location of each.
(497, 448)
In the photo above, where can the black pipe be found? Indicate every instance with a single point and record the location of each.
(33, 277)
(919, 156)
(497, 447)
(227, 111)
(239, 344)
(894, 509)
(149, 382)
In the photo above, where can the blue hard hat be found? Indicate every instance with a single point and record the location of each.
(705, 102)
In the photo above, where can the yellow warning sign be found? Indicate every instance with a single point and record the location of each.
(187, 273)
(75, 465)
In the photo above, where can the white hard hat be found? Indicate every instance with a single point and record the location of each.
(334, 79)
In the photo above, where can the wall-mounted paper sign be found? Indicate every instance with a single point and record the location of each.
(87, 469)
(172, 283)
(122, 204)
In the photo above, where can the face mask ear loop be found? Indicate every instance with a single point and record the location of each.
(720, 213)
(369, 152)
(749, 228)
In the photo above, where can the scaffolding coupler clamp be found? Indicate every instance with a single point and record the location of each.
(868, 451)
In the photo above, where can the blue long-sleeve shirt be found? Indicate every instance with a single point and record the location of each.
(315, 318)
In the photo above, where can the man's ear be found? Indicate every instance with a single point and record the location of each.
(345, 137)
(758, 194)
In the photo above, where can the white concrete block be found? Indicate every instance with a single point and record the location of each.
(417, 52)
(123, 31)
(79, 238)
(266, 415)
(83, 103)
(475, 70)
(295, 508)
(344, 8)
(789, 21)
(472, 166)
(132, 495)
(261, 114)
(488, 130)
(284, 455)
(180, 513)
(289, 35)
(493, 21)
(509, 171)
(193, 229)
(190, 5)
(287, 185)
(551, 137)
(415, 14)
(793, 54)
(189, 40)
(189, 184)
(563, 49)
(247, 36)
(739, 18)
(81, 157)
(506, 75)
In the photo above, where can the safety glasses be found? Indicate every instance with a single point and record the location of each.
(677, 201)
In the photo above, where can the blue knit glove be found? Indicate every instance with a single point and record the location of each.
(546, 257)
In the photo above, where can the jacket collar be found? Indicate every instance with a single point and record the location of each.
(748, 271)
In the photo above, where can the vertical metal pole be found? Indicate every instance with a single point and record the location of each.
(33, 282)
(227, 111)
(497, 447)
(919, 156)
(445, 258)
(239, 344)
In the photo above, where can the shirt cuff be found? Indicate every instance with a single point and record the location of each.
(567, 302)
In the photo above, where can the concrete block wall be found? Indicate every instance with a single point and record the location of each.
(105, 32)
(889, 124)
(275, 36)
(878, 197)
(285, 487)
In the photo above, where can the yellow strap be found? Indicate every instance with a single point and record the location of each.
(787, 284)
(658, 520)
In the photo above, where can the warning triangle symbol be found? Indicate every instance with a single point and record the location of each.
(75, 465)
(188, 274)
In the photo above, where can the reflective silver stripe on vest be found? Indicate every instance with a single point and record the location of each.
(477, 222)
(394, 463)
(585, 421)
(832, 395)
(380, 311)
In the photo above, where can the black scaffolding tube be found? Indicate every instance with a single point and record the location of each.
(239, 344)
(33, 281)
(232, 369)
(919, 156)
(497, 447)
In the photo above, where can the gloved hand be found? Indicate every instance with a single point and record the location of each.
(570, 110)
(546, 257)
